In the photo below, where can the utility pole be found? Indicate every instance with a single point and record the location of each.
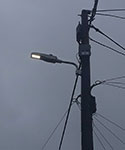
(88, 106)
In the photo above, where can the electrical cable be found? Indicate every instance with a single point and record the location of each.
(116, 78)
(110, 15)
(112, 122)
(103, 137)
(123, 54)
(113, 84)
(110, 131)
(99, 140)
(47, 141)
(117, 83)
(69, 109)
(109, 84)
(62, 118)
(99, 31)
(93, 12)
(105, 10)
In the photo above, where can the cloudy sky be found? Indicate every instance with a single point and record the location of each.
(34, 94)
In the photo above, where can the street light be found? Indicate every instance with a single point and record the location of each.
(53, 59)
(50, 58)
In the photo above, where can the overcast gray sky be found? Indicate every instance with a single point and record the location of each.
(34, 95)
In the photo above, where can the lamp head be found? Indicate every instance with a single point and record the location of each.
(45, 57)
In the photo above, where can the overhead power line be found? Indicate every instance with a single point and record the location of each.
(93, 12)
(101, 143)
(123, 54)
(115, 78)
(112, 122)
(122, 142)
(109, 84)
(52, 133)
(108, 10)
(117, 83)
(62, 118)
(103, 137)
(47, 141)
(99, 31)
(110, 15)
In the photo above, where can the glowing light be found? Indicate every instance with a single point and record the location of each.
(35, 56)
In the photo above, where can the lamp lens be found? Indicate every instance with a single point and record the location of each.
(35, 56)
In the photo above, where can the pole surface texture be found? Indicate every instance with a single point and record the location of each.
(86, 113)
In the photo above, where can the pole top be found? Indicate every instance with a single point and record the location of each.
(86, 11)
